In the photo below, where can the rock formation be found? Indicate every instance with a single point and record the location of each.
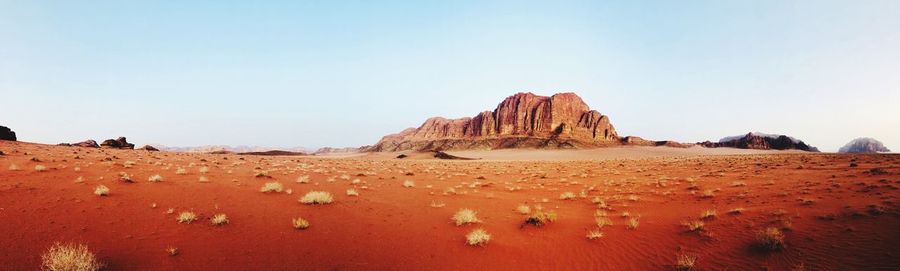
(87, 144)
(864, 145)
(119, 143)
(7, 134)
(523, 120)
(761, 141)
(149, 148)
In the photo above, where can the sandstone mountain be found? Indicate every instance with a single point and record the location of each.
(7, 134)
(523, 120)
(761, 141)
(864, 145)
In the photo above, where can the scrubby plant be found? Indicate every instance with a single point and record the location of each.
(303, 179)
(316, 197)
(632, 223)
(172, 251)
(70, 257)
(352, 192)
(155, 178)
(594, 234)
(437, 204)
(219, 219)
(181, 171)
(708, 214)
(603, 221)
(261, 174)
(693, 225)
(540, 218)
(769, 239)
(409, 184)
(125, 177)
(465, 216)
(203, 179)
(40, 168)
(13, 167)
(736, 211)
(523, 209)
(478, 237)
(567, 195)
(203, 170)
(300, 223)
(101, 190)
(685, 262)
(186, 217)
(708, 194)
(271, 187)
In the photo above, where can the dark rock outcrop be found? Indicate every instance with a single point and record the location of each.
(119, 143)
(638, 141)
(864, 145)
(87, 144)
(7, 134)
(523, 120)
(761, 141)
(149, 148)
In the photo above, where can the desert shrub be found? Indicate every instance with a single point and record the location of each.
(409, 184)
(219, 219)
(186, 217)
(181, 171)
(685, 262)
(567, 195)
(101, 190)
(316, 197)
(708, 214)
(300, 223)
(69, 257)
(540, 218)
(303, 179)
(594, 234)
(272, 187)
(523, 209)
(632, 223)
(478, 237)
(465, 216)
(352, 192)
(693, 225)
(155, 178)
(769, 239)
(40, 168)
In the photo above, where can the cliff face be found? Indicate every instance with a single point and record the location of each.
(523, 120)
(761, 142)
(864, 145)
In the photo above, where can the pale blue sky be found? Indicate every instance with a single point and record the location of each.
(344, 73)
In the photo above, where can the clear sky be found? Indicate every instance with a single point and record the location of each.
(344, 73)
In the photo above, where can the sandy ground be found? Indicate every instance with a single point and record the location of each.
(837, 212)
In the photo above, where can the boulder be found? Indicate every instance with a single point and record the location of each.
(119, 143)
(7, 134)
(149, 148)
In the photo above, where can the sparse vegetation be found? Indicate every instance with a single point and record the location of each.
(181, 171)
(40, 168)
(736, 211)
(409, 184)
(594, 234)
(540, 218)
(155, 178)
(316, 197)
(272, 187)
(567, 195)
(465, 216)
(685, 262)
(303, 179)
(70, 257)
(352, 192)
(769, 239)
(633, 223)
(694, 225)
(708, 214)
(478, 237)
(186, 217)
(523, 209)
(101, 190)
(300, 223)
(219, 219)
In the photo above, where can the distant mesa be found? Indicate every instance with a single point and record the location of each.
(523, 120)
(331, 150)
(761, 141)
(864, 145)
(119, 143)
(7, 134)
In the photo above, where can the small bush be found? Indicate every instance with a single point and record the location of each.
(40, 168)
(632, 223)
(303, 179)
(694, 225)
(769, 239)
(219, 219)
(316, 197)
(300, 223)
(465, 216)
(272, 187)
(409, 184)
(69, 257)
(181, 171)
(101, 190)
(523, 209)
(566, 196)
(478, 237)
(540, 218)
(684, 262)
(708, 214)
(594, 234)
(186, 217)
(155, 178)
(352, 192)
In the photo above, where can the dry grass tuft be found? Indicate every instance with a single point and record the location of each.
(272, 187)
(155, 178)
(352, 192)
(316, 197)
(523, 209)
(769, 239)
(632, 223)
(708, 214)
(708, 194)
(13, 167)
(465, 216)
(594, 234)
(69, 257)
(40, 168)
(409, 184)
(685, 262)
(186, 217)
(567, 195)
(478, 237)
(172, 251)
(303, 179)
(181, 171)
(694, 225)
(101, 190)
(540, 218)
(300, 223)
(736, 211)
(219, 219)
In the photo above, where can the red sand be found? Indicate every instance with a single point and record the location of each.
(850, 222)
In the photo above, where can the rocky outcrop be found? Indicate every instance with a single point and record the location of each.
(7, 134)
(87, 144)
(761, 141)
(523, 120)
(864, 145)
(119, 143)
(327, 150)
(149, 148)
(638, 141)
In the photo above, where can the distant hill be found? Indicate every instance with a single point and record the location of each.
(761, 141)
(864, 145)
